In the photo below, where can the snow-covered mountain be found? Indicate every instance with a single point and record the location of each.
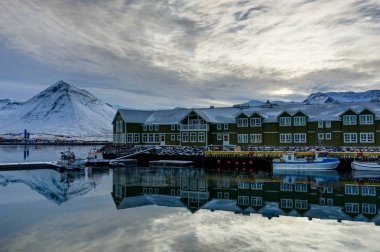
(318, 98)
(53, 185)
(61, 109)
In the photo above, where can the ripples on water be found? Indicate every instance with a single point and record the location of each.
(188, 209)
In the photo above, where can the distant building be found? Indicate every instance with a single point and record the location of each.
(333, 124)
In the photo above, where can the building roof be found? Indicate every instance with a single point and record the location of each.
(315, 112)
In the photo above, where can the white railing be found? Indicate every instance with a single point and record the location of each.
(194, 126)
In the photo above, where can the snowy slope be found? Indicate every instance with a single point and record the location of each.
(61, 109)
(53, 185)
(318, 98)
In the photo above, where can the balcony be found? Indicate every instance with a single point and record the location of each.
(192, 127)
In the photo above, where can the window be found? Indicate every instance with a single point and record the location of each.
(286, 187)
(368, 191)
(243, 185)
(145, 190)
(226, 195)
(349, 120)
(201, 137)
(156, 127)
(137, 138)
(256, 201)
(322, 201)
(329, 189)
(193, 137)
(129, 138)
(328, 136)
(321, 136)
(150, 127)
(145, 128)
(225, 126)
(368, 208)
(286, 203)
(242, 122)
(119, 126)
(219, 137)
(350, 137)
(172, 191)
(178, 127)
(299, 121)
(328, 124)
(352, 207)
(156, 138)
(300, 188)
(242, 138)
(179, 137)
(257, 186)
(367, 137)
(219, 195)
(144, 138)
(202, 185)
(286, 138)
(255, 122)
(243, 200)
(219, 126)
(256, 138)
(351, 189)
(300, 137)
(172, 137)
(366, 119)
(320, 125)
(285, 121)
(300, 204)
(172, 127)
(185, 137)
(156, 191)
(330, 201)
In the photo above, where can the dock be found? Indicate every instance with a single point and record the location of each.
(27, 165)
(170, 163)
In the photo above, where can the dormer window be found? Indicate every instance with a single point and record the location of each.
(299, 121)
(255, 122)
(242, 122)
(366, 119)
(349, 120)
(285, 121)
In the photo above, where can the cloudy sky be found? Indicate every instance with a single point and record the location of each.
(166, 53)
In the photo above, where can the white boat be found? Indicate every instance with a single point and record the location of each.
(319, 162)
(365, 166)
(70, 162)
(95, 158)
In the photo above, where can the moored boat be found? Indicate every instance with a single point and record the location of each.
(319, 162)
(95, 158)
(70, 162)
(365, 166)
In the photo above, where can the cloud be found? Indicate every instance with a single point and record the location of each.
(176, 49)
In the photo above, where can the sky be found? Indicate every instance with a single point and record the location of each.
(189, 53)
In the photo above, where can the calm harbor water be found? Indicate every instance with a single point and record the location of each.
(174, 209)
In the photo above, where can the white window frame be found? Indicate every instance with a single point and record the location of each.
(136, 138)
(328, 124)
(172, 127)
(179, 137)
(300, 204)
(351, 189)
(330, 201)
(255, 122)
(242, 122)
(150, 127)
(350, 137)
(129, 137)
(243, 185)
(185, 137)
(349, 120)
(144, 138)
(257, 185)
(226, 195)
(328, 136)
(145, 128)
(256, 138)
(285, 121)
(172, 137)
(321, 136)
(201, 137)
(320, 125)
(300, 187)
(322, 201)
(243, 200)
(256, 201)
(367, 137)
(219, 126)
(366, 119)
(219, 137)
(369, 208)
(285, 187)
(285, 138)
(242, 138)
(156, 127)
(368, 190)
(193, 137)
(299, 121)
(225, 126)
(299, 138)
(286, 203)
(352, 207)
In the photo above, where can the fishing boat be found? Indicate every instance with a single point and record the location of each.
(365, 166)
(95, 158)
(319, 162)
(69, 161)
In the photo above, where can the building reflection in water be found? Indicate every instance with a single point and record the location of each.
(319, 194)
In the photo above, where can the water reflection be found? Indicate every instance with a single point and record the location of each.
(54, 186)
(319, 194)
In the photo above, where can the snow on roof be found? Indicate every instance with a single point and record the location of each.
(315, 112)
(146, 199)
(222, 204)
(327, 212)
